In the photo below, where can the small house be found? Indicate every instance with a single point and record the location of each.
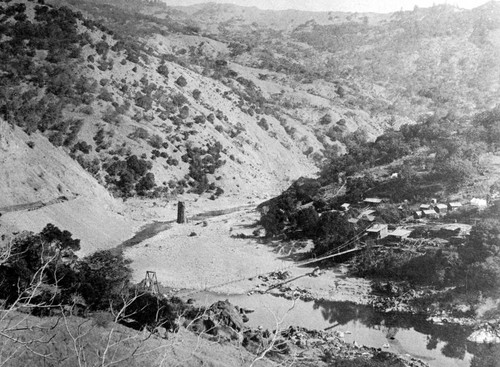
(453, 206)
(441, 208)
(417, 214)
(399, 234)
(372, 201)
(430, 213)
(455, 229)
(425, 206)
(479, 203)
(378, 231)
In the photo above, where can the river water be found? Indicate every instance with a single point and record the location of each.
(438, 345)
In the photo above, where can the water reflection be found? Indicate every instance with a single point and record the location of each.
(452, 339)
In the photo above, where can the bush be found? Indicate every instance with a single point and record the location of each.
(146, 183)
(263, 124)
(184, 112)
(156, 141)
(163, 70)
(196, 94)
(105, 277)
(181, 81)
(326, 119)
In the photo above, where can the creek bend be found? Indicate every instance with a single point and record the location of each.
(438, 345)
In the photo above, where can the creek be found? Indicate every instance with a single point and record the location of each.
(438, 345)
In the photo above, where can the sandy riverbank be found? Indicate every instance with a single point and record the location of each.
(208, 254)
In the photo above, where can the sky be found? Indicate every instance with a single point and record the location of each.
(378, 6)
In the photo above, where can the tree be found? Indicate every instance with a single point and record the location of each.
(146, 183)
(196, 94)
(163, 70)
(181, 81)
(333, 231)
(35, 259)
(105, 276)
(485, 276)
(326, 119)
(483, 242)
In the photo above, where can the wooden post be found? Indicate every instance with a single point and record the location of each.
(181, 212)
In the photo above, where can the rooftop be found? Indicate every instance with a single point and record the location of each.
(373, 200)
(377, 227)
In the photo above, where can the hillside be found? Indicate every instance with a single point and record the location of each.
(159, 102)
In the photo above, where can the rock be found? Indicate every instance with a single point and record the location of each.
(226, 314)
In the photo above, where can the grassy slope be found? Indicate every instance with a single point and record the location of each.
(55, 341)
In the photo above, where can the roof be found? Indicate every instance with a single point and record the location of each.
(460, 226)
(400, 232)
(429, 212)
(425, 206)
(441, 206)
(377, 228)
(345, 205)
(479, 202)
(353, 220)
(455, 203)
(373, 200)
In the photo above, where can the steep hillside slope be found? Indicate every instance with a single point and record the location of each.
(140, 121)
(34, 170)
(41, 184)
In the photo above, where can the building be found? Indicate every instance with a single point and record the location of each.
(417, 214)
(425, 206)
(453, 206)
(441, 208)
(372, 201)
(430, 213)
(378, 231)
(479, 203)
(399, 234)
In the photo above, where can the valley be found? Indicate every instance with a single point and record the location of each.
(340, 172)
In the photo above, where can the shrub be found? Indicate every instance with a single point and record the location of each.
(184, 112)
(163, 70)
(105, 95)
(200, 119)
(146, 183)
(156, 141)
(181, 81)
(105, 276)
(196, 94)
(88, 110)
(326, 119)
(179, 99)
(139, 133)
(263, 124)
